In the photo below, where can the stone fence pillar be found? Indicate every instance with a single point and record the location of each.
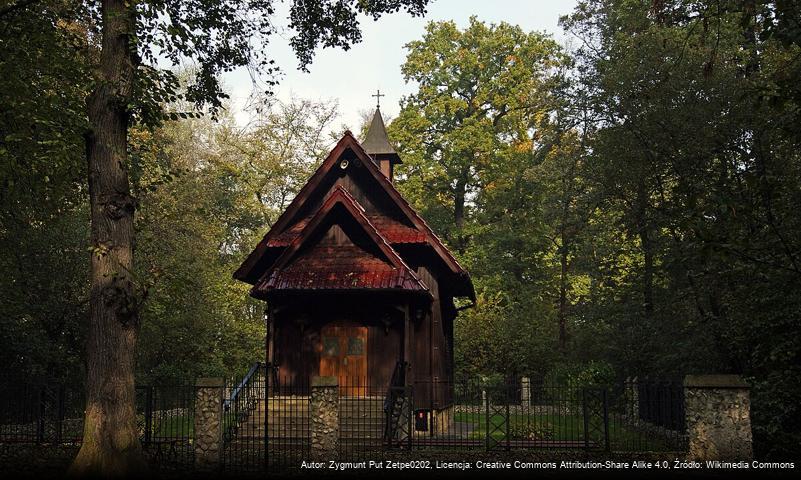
(717, 412)
(324, 410)
(525, 391)
(208, 423)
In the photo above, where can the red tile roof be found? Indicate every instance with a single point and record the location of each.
(389, 228)
(394, 232)
(339, 267)
(333, 266)
(286, 237)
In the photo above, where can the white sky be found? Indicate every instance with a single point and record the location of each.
(352, 76)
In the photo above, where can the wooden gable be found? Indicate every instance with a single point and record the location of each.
(349, 167)
(339, 249)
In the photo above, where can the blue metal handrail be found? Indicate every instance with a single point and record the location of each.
(245, 380)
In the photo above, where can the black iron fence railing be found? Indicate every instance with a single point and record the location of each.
(40, 412)
(267, 421)
(661, 402)
(243, 388)
(397, 403)
(287, 420)
(243, 420)
(476, 415)
(166, 419)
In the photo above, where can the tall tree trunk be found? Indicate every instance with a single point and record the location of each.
(563, 297)
(458, 203)
(460, 191)
(643, 230)
(110, 440)
(564, 249)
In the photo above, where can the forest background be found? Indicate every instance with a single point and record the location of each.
(628, 206)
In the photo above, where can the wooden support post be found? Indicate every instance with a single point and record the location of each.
(269, 324)
(269, 335)
(407, 344)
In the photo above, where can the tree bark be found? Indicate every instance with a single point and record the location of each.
(563, 296)
(458, 203)
(643, 230)
(459, 194)
(110, 440)
(565, 238)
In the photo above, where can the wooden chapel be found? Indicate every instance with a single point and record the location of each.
(356, 284)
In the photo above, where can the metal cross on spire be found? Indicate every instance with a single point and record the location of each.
(378, 96)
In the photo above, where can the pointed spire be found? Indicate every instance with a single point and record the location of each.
(376, 142)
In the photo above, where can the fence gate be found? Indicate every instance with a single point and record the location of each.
(595, 412)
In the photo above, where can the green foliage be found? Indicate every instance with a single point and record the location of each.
(221, 35)
(481, 93)
(206, 190)
(43, 229)
(335, 24)
(199, 211)
(496, 337)
(647, 203)
(470, 139)
(693, 252)
(575, 376)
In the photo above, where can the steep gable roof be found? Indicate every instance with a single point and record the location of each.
(306, 265)
(349, 143)
(394, 231)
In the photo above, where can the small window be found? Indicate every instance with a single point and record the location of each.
(355, 346)
(330, 346)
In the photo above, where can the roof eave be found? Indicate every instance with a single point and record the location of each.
(266, 294)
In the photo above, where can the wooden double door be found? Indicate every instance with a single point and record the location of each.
(344, 355)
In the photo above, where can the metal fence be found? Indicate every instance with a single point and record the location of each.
(244, 426)
(661, 402)
(46, 411)
(272, 428)
(287, 419)
(493, 417)
(267, 421)
(539, 415)
(40, 411)
(165, 417)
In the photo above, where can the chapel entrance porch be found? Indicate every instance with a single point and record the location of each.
(359, 340)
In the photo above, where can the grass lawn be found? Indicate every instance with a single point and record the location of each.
(473, 426)
(560, 427)
(178, 426)
(173, 426)
(566, 427)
